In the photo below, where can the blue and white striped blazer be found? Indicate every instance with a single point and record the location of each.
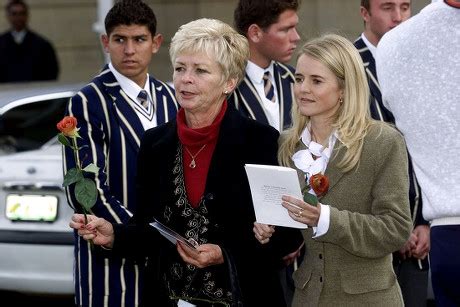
(377, 109)
(111, 133)
(249, 103)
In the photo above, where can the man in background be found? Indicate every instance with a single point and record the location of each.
(265, 94)
(113, 112)
(418, 66)
(410, 262)
(24, 54)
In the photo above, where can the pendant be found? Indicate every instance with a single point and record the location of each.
(192, 164)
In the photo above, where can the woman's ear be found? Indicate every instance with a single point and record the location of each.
(230, 85)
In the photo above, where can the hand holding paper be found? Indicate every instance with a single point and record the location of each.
(172, 236)
(268, 184)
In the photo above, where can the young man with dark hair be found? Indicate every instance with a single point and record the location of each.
(113, 112)
(24, 54)
(410, 262)
(265, 94)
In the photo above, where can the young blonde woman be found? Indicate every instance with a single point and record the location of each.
(364, 215)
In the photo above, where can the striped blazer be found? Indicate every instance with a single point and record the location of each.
(380, 112)
(110, 133)
(249, 103)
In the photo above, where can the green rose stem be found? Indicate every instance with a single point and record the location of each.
(78, 165)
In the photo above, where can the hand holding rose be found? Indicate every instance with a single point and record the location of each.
(96, 230)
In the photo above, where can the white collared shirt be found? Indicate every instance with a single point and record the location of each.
(132, 90)
(19, 36)
(272, 109)
(324, 156)
(372, 48)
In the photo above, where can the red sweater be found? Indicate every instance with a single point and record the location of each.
(193, 141)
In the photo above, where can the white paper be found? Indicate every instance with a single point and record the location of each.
(268, 184)
(171, 235)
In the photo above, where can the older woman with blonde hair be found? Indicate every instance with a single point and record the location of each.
(191, 179)
(360, 167)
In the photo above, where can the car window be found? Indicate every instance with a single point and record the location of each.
(29, 126)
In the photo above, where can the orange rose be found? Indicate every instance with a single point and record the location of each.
(68, 126)
(319, 183)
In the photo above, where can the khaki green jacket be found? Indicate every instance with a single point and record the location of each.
(351, 265)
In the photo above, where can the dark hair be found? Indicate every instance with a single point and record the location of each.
(366, 4)
(261, 12)
(12, 3)
(130, 12)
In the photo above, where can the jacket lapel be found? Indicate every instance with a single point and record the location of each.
(333, 172)
(160, 93)
(369, 67)
(251, 100)
(284, 79)
(123, 111)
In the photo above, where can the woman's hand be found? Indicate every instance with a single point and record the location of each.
(98, 230)
(302, 212)
(263, 232)
(203, 256)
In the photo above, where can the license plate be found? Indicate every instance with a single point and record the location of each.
(31, 207)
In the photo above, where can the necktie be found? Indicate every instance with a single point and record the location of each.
(143, 98)
(268, 87)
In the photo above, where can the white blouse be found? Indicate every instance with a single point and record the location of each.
(304, 161)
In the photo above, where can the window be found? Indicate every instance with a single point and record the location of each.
(30, 125)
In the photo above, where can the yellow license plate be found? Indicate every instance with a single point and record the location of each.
(31, 207)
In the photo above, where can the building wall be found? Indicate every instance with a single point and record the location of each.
(69, 25)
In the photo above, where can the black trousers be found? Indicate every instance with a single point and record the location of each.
(413, 282)
(445, 265)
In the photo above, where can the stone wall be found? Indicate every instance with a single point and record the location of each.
(69, 25)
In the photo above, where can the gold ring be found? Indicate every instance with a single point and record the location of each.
(299, 214)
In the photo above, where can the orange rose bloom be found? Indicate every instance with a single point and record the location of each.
(68, 126)
(320, 184)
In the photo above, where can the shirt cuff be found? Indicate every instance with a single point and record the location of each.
(323, 222)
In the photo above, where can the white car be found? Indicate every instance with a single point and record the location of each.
(36, 243)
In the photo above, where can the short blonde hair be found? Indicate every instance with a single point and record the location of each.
(352, 119)
(218, 40)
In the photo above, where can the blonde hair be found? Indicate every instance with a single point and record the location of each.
(218, 40)
(352, 119)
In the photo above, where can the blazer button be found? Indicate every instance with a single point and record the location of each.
(320, 256)
(209, 196)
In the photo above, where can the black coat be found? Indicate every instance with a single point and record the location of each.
(240, 141)
(32, 60)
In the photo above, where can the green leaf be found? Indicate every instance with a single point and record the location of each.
(86, 193)
(310, 199)
(73, 175)
(91, 168)
(64, 140)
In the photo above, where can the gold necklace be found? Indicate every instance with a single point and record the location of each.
(193, 163)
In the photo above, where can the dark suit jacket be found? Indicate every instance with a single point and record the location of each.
(229, 203)
(111, 133)
(32, 60)
(248, 102)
